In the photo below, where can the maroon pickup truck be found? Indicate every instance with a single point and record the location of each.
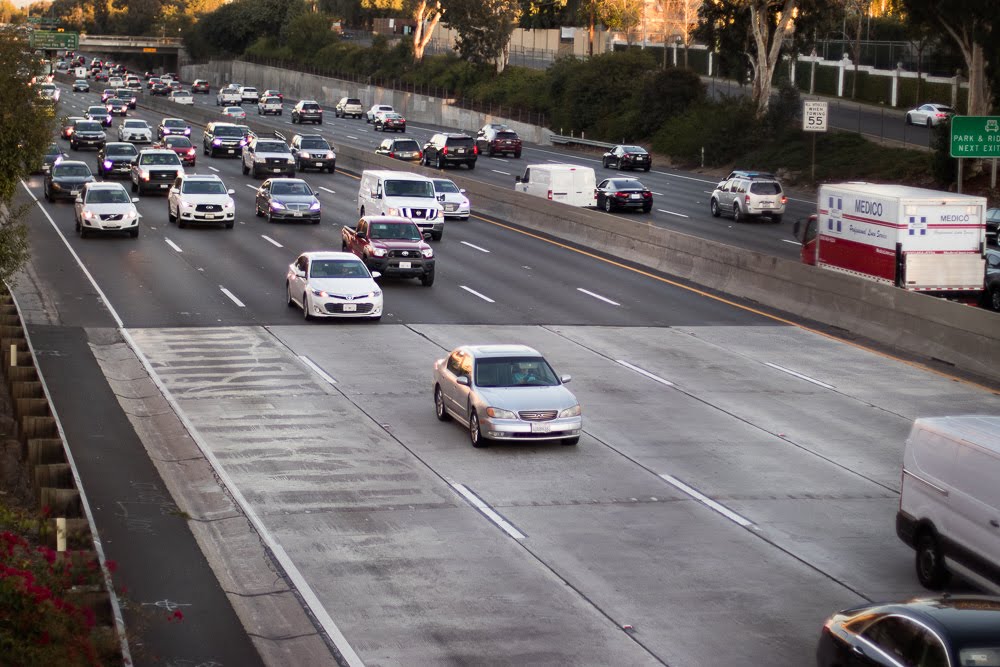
(391, 245)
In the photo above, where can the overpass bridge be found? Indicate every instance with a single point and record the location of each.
(171, 47)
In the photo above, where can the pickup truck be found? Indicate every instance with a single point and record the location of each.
(391, 245)
(228, 97)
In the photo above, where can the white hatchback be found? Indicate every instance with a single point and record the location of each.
(333, 284)
(106, 207)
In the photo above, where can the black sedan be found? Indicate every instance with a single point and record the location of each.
(623, 193)
(993, 225)
(53, 154)
(116, 159)
(100, 114)
(625, 156)
(390, 120)
(159, 88)
(959, 630)
(992, 293)
(287, 199)
(117, 106)
(65, 180)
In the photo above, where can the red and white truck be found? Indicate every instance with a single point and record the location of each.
(913, 238)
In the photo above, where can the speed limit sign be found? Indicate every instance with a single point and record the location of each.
(814, 116)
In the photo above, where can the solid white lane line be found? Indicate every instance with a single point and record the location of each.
(798, 375)
(789, 241)
(598, 296)
(173, 245)
(271, 241)
(474, 246)
(487, 511)
(679, 215)
(316, 369)
(658, 194)
(497, 171)
(641, 371)
(233, 297)
(708, 502)
(213, 169)
(474, 292)
(251, 186)
(327, 190)
(686, 178)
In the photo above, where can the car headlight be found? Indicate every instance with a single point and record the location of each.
(290, 160)
(277, 205)
(259, 159)
(378, 252)
(317, 292)
(166, 130)
(144, 174)
(304, 155)
(500, 413)
(392, 211)
(187, 131)
(427, 252)
(229, 205)
(331, 155)
(107, 164)
(314, 206)
(374, 293)
(570, 412)
(89, 215)
(465, 203)
(187, 204)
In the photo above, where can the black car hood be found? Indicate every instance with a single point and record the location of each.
(72, 180)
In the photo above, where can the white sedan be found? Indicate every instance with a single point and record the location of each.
(452, 198)
(135, 130)
(234, 112)
(929, 114)
(333, 284)
(106, 207)
(181, 97)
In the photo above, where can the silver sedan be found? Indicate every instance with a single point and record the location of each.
(929, 114)
(505, 392)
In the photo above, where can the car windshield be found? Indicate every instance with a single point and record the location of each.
(71, 170)
(337, 268)
(444, 185)
(181, 93)
(120, 149)
(765, 188)
(159, 159)
(395, 231)
(407, 145)
(138, 124)
(514, 372)
(53, 149)
(409, 189)
(633, 149)
(96, 110)
(174, 122)
(270, 100)
(228, 131)
(290, 188)
(204, 188)
(272, 147)
(237, 111)
(108, 196)
(178, 142)
(88, 127)
(315, 143)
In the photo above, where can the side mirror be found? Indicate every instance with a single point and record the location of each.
(230, 191)
(299, 273)
(135, 200)
(376, 195)
(440, 197)
(461, 191)
(462, 380)
(517, 179)
(376, 275)
(565, 378)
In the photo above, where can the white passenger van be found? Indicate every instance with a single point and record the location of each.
(949, 503)
(386, 192)
(567, 183)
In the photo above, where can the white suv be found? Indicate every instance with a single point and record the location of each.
(201, 199)
(744, 197)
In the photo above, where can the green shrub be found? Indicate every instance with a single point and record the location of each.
(724, 129)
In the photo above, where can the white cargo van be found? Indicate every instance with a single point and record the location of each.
(949, 502)
(387, 192)
(567, 183)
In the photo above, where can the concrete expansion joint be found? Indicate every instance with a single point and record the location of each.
(283, 591)
(233, 514)
(281, 638)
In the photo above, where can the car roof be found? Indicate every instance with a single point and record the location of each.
(329, 254)
(391, 173)
(72, 162)
(157, 151)
(484, 351)
(967, 620)
(103, 185)
(387, 218)
(173, 118)
(201, 177)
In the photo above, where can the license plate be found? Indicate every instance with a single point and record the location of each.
(635, 196)
(164, 185)
(230, 151)
(350, 307)
(276, 169)
(766, 204)
(460, 150)
(319, 164)
(540, 427)
(405, 265)
(297, 214)
(74, 192)
(210, 216)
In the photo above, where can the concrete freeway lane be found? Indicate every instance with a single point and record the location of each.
(737, 481)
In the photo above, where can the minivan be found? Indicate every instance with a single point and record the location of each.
(386, 192)
(949, 501)
(566, 183)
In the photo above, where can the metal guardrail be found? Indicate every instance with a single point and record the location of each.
(579, 141)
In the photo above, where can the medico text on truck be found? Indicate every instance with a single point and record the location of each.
(916, 239)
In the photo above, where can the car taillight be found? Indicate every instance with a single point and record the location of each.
(623, 195)
(746, 199)
(444, 151)
(647, 195)
(191, 151)
(392, 153)
(475, 150)
(420, 155)
(941, 115)
(550, 194)
(784, 199)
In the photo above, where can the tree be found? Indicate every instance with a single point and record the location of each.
(969, 23)
(484, 28)
(621, 15)
(27, 124)
(427, 16)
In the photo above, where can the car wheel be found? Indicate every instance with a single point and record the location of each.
(270, 218)
(288, 296)
(646, 168)
(571, 441)
(440, 164)
(608, 206)
(427, 279)
(930, 124)
(246, 169)
(604, 163)
(930, 561)
(256, 210)
(737, 213)
(471, 165)
(517, 154)
(439, 409)
(305, 307)
(909, 120)
(647, 209)
(73, 146)
(47, 193)
(83, 232)
(319, 122)
(995, 298)
(180, 223)
(436, 236)
(170, 215)
(475, 435)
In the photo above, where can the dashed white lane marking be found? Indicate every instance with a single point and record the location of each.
(351, 137)
(790, 241)
(271, 241)
(598, 296)
(327, 190)
(251, 186)
(679, 215)
(475, 293)
(474, 246)
(173, 245)
(497, 171)
(213, 169)
(708, 502)
(645, 373)
(658, 194)
(233, 297)
(500, 159)
(488, 511)
(316, 369)
(798, 375)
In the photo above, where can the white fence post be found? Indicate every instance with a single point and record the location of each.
(895, 85)
(842, 65)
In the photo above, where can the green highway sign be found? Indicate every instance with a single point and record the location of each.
(975, 136)
(50, 39)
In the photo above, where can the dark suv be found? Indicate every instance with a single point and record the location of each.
(307, 110)
(450, 149)
(494, 138)
(223, 138)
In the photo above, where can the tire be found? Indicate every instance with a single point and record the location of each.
(305, 308)
(517, 154)
(256, 210)
(427, 279)
(319, 122)
(48, 194)
(930, 124)
(737, 213)
(288, 296)
(180, 223)
(230, 225)
(647, 209)
(135, 188)
(436, 236)
(440, 164)
(170, 216)
(73, 146)
(608, 205)
(995, 299)
(475, 435)
(909, 121)
(84, 233)
(439, 408)
(931, 570)
(270, 218)
(569, 442)
(604, 163)
(471, 165)
(646, 168)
